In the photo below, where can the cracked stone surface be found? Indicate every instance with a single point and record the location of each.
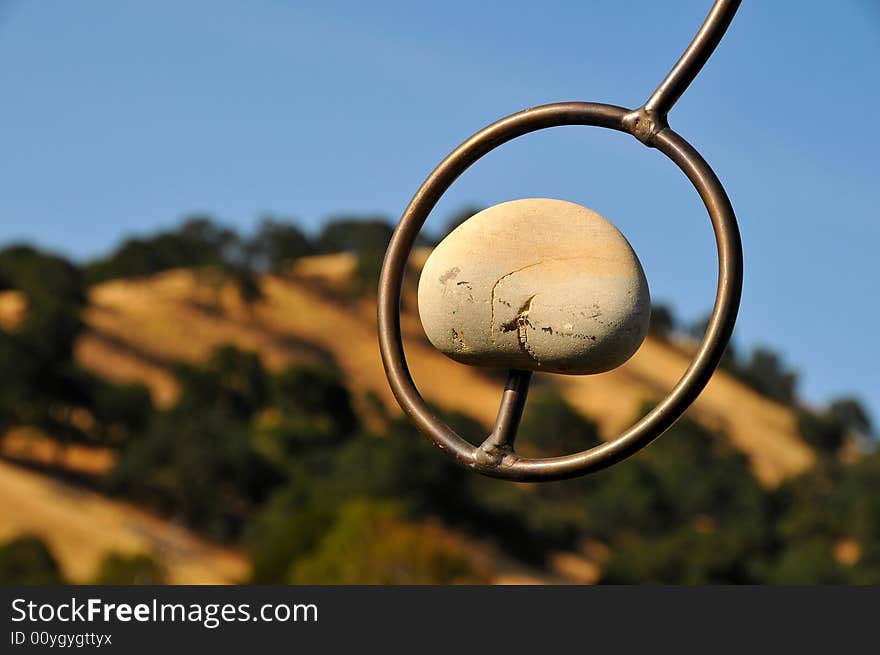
(535, 284)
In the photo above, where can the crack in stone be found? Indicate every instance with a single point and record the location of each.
(549, 329)
(458, 339)
(507, 275)
(492, 295)
(521, 324)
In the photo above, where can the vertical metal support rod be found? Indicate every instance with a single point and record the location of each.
(500, 441)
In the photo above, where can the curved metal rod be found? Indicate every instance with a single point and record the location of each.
(495, 457)
(694, 58)
(647, 121)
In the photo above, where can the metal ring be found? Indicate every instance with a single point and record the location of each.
(503, 463)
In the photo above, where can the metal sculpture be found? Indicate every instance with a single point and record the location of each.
(496, 456)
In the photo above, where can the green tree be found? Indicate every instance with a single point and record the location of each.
(232, 382)
(120, 411)
(822, 430)
(367, 239)
(554, 427)
(372, 543)
(197, 242)
(663, 323)
(217, 252)
(685, 510)
(49, 386)
(310, 409)
(27, 560)
(198, 466)
(765, 372)
(288, 527)
(683, 555)
(831, 503)
(852, 413)
(807, 561)
(276, 244)
(139, 569)
(198, 460)
(354, 235)
(828, 430)
(402, 464)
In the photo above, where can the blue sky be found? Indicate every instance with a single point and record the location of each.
(122, 117)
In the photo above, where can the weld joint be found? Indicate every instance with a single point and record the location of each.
(645, 124)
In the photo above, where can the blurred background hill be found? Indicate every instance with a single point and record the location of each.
(204, 406)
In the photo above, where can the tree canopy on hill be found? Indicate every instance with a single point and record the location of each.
(51, 391)
(276, 244)
(213, 458)
(663, 323)
(27, 560)
(199, 241)
(354, 235)
(367, 239)
(371, 542)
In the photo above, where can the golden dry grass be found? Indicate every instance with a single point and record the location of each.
(81, 527)
(27, 445)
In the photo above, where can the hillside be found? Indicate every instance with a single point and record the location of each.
(139, 329)
(81, 527)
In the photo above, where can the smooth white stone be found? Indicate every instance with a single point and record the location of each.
(535, 284)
